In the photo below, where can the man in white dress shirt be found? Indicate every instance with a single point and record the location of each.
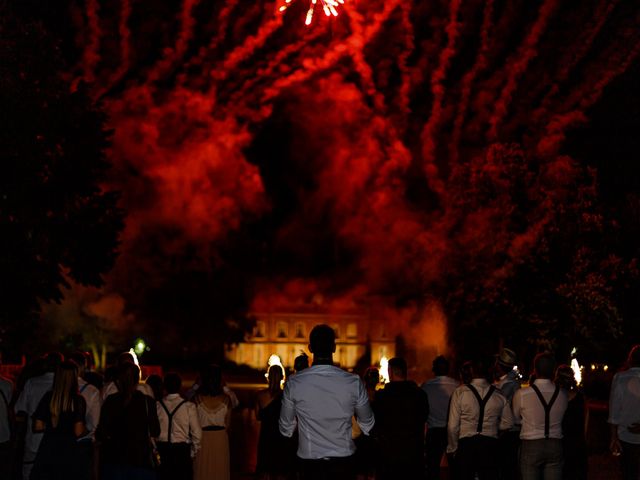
(624, 416)
(180, 432)
(477, 414)
(321, 400)
(439, 391)
(541, 407)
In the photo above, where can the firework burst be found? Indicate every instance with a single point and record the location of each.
(329, 7)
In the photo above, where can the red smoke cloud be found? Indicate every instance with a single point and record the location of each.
(389, 107)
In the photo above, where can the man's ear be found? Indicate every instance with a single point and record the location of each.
(310, 349)
(334, 347)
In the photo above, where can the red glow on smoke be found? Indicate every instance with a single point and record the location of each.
(387, 100)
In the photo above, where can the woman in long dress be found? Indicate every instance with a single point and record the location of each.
(214, 413)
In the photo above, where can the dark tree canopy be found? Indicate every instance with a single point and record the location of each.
(58, 223)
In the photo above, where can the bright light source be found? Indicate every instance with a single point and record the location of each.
(605, 368)
(577, 371)
(135, 357)
(574, 350)
(384, 369)
(140, 346)
(593, 367)
(275, 360)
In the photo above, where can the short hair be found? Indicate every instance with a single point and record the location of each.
(301, 362)
(124, 357)
(372, 377)
(480, 366)
(440, 366)
(172, 382)
(634, 356)
(544, 365)
(322, 340)
(398, 366)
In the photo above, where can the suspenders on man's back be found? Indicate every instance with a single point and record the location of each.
(547, 407)
(482, 402)
(170, 416)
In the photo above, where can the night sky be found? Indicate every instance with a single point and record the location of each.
(464, 157)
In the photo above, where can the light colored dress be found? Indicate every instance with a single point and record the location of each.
(212, 461)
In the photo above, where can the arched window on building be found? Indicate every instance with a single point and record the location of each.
(259, 329)
(300, 333)
(282, 330)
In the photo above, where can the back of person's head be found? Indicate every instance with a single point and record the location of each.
(634, 356)
(53, 361)
(80, 359)
(211, 381)
(440, 366)
(371, 377)
(480, 367)
(65, 386)
(172, 383)
(124, 357)
(544, 365)
(301, 362)
(156, 384)
(397, 369)
(127, 379)
(275, 376)
(110, 373)
(565, 377)
(465, 372)
(322, 341)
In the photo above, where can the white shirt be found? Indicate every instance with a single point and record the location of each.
(185, 426)
(322, 399)
(111, 388)
(464, 413)
(528, 408)
(6, 388)
(624, 403)
(93, 400)
(27, 402)
(439, 391)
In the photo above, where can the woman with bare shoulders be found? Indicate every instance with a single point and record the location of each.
(272, 461)
(214, 413)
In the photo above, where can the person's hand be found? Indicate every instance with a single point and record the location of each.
(614, 446)
(634, 428)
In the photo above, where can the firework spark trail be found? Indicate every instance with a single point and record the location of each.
(438, 93)
(244, 51)
(91, 54)
(404, 91)
(173, 54)
(216, 40)
(518, 65)
(555, 132)
(246, 92)
(125, 49)
(469, 78)
(574, 57)
(356, 52)
(337, 51)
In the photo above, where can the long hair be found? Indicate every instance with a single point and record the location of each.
(275, 379)
(127, 380)
(65, 387)
(211, 381)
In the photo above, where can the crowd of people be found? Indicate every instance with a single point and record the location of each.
(61, 421)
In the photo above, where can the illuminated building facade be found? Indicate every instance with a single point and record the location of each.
(285, 332)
